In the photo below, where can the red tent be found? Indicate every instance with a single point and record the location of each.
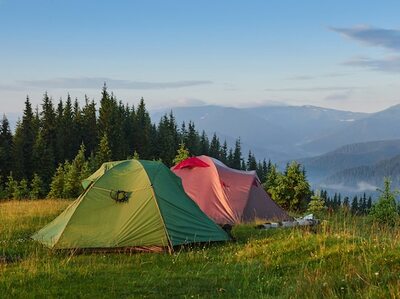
(227, 195)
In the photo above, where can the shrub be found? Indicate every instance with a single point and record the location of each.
(36, 187)
(385, 210)
(316, 204)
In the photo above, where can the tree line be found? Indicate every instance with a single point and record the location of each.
(357, 205)
(55, 146)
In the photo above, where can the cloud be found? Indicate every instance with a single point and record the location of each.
(365, 186)
(182, 102)
(10, 87)
(362, 186)
(371, 36)
(302, 77)
(334, 75)
(189, 102)
(317, 88)
(339, 96)
(97, 82)
(260, 103)
(387, 64)
(310, 77)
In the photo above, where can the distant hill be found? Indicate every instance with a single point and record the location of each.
(306, 123)
(366, 178)
(349, 156)
(275, 132)
(383, 125)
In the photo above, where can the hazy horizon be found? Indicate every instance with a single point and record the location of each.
(337, 55)
(178, 104)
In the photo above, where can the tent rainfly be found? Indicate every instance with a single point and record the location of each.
(134, 203)
(227, 195)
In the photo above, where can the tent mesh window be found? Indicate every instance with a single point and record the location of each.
(119, 195)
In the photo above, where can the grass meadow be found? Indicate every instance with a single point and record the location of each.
(345, 257)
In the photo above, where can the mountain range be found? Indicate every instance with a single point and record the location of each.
(355, 168)
(349, 156)
(341, 150)
(366, 177)
(291, 132)
(275, 132)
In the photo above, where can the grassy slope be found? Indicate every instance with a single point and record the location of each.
(344, 258)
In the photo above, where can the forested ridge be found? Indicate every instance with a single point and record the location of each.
(67, 139)
(55, 147)
(370, 174)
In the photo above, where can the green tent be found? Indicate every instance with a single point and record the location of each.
(133, 203)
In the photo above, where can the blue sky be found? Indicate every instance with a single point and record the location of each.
(337, 54)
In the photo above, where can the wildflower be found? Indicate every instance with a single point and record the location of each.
(376, 273)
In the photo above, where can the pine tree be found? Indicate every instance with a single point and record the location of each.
(11, 187)
(242, 165)
(89, 130)
(60, 132)
(354, 205)
(215, 147)
(223, 155)
(229, 161)
(57, 183)
(183, 133)
(154, 151)
(92, 163)
(260, 172)
(110, 123)
(73, 176)
(346, 204)
(44, 160)
(71, 181)
(36, 187)
(77, 129)
(193, 140)
(182, 154)
(385, 210)
(45, 148)
(21, 191)
(48, 126)
(142, 132)
(127, 130)
(369, 204)
(265, 169)
(204, 144)
(2, 191)
(24, 140)
(237, 155)
(119, 134)
(136, 156)
(67, 132)
(271, 179)
(104, 152)
(291, 190)
(364, 208)
(6, 147)
(316, 204)
(251, 162)
(335, 202)
(167, 139)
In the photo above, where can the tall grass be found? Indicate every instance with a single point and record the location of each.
(345, 257)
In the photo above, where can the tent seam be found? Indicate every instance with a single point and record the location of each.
(170, 245)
